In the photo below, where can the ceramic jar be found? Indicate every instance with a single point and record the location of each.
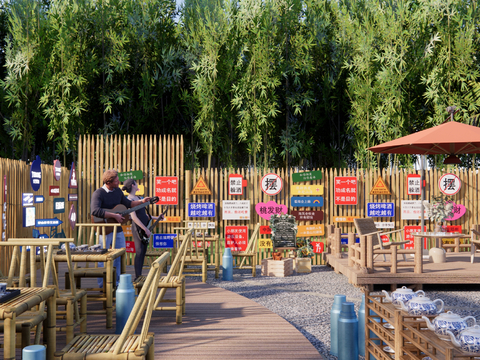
(448, 322)
(422, 305)
(402, 294)
(468, 340)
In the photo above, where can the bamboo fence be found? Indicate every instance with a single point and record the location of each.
(164, 156)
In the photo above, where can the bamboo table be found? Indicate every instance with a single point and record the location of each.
(28, 298)
(107, 259)
(442, 235)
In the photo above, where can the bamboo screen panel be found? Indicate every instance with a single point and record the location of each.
(18, 182)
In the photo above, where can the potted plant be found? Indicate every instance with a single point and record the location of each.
(304, 255)
(440, 209)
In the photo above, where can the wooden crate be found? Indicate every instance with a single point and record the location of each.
(303, 265)
(277, 268)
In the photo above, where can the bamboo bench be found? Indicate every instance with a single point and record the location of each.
(127, 345)
(174, 279)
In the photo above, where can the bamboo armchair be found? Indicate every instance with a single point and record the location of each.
(250, 252)
(127, 345)
(366, 227)
(173, 280)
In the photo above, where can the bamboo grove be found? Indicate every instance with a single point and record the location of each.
(309, 83)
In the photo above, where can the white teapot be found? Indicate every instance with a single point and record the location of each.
(422, 305)
(402, 295)
(448, 322)
(468, 339)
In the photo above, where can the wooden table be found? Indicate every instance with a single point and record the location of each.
(442, 235)
(28, 298)
(107, 259)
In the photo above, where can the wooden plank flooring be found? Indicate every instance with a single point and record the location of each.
(457, 270)
(218, 324)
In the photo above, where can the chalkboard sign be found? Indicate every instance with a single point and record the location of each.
(284, 231)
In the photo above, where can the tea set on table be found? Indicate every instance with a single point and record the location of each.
(462, 332)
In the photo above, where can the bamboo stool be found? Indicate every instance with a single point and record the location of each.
(250, 252)
(127, 344)
(173, 280)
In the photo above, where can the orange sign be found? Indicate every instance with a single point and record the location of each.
(344, 218)
(310, 230)
(380, 188)
(172, 219)
(201, 188)
(127, 230)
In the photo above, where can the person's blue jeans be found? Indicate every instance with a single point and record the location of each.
(119, 243)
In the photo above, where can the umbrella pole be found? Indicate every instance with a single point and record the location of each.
(422, 186)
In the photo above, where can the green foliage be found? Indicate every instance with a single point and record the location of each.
(304, 248)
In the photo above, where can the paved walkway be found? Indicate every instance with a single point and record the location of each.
(218, 324)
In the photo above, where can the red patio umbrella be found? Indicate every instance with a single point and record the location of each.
(450, 138)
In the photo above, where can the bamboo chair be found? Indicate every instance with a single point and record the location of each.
(70, 299)
(250, 252)
(195, 255)
(93, 272)
(174, 279)
(367, 227)
(11, 280)
(474, 241)
(127, 345)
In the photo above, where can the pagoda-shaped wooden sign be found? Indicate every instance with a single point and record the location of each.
(201, 188)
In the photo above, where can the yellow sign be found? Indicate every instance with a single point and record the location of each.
(127, 230)
(140, 191)
(344, 218)
(172, 219)
(380, 188)
(307, 190)
(310, 230)
(265, 243)
(201, 188)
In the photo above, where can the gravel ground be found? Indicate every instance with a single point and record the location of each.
(305, 300)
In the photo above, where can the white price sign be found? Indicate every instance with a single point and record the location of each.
(236, 210)
(411, 210)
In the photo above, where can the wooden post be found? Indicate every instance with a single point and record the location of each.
(370, 253)
(338, 243)
(351, 249)
(363, 252)
(393, 259)
(418, 255)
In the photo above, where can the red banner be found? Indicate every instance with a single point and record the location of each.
(166, 188)
(236, 237)
(318, 247)
(130, 246)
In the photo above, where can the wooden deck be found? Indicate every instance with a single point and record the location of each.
(218, 324)
(457, 270)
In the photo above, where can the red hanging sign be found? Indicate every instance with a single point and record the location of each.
(345, 190)
(236, 237)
